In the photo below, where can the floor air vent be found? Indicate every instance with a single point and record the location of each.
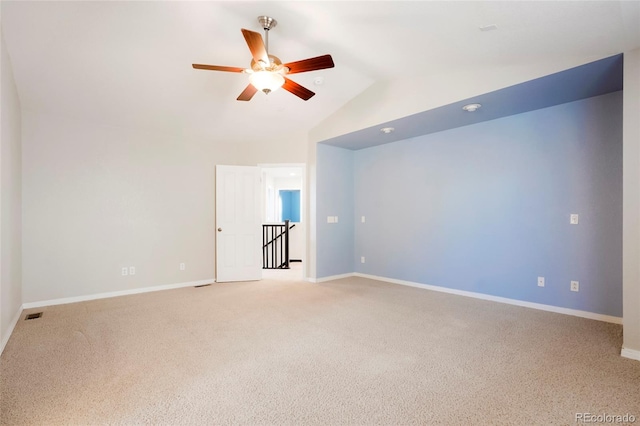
(33, 316)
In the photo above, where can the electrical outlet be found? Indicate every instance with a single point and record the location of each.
(132, 270)
(362, 259)
(573, 219)
(540, 281)
(362, 219)
(183, 266)
(125, 271)
(575, 286)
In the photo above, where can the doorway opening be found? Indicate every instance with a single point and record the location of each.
(283, 199)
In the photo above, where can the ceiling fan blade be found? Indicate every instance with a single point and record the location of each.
(217, 68)
(256, 46)
(311, 64)
(300, 91)
(247, 93)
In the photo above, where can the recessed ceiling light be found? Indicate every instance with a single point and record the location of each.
(292, 174)
(471, 107)
(490, 27)
(318, 81)
(387, 130)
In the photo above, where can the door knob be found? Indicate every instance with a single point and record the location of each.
(219, 229)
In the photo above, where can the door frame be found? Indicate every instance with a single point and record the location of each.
(303, 202)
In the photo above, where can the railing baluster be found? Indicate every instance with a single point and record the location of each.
(286, 244)
(275, 254)
(270, 250)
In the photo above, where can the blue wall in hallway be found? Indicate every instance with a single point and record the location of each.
(485, 208)
(290, 200)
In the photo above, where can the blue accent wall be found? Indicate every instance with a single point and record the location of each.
(334, 197)
(485, 208)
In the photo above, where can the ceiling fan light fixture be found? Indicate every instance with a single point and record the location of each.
(266, 81)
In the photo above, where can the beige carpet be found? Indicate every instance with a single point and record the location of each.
(352, 351)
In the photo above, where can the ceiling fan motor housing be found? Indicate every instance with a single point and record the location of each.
(275, 64)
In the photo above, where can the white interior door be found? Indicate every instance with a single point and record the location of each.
(238, 224)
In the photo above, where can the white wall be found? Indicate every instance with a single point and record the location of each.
(98, 198)
(268, 192)
(288, 182)
(310, 213)
(274, 149)
(11, 192)
(631, 204)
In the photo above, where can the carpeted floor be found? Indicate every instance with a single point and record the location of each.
(352, 351)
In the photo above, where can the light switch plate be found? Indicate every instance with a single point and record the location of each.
(573, 219)
(540, 281)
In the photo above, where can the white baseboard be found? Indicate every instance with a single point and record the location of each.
(330, 278)
(14, 322)
(627, 353)
(65, 300)
(630, 353)
(540, 306)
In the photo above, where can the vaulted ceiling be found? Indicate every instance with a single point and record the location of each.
(129, 63)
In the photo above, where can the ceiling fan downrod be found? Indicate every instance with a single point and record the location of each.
(267, 23)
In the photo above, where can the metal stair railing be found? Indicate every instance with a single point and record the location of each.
(275, 245)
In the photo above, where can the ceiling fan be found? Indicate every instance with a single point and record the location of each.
(267, 72)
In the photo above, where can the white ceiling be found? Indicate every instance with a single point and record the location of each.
(129, 63)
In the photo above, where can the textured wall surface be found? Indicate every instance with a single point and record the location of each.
(631, 185)
(11, 195)
(99, 197)
(334, 198)
(485, 208)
